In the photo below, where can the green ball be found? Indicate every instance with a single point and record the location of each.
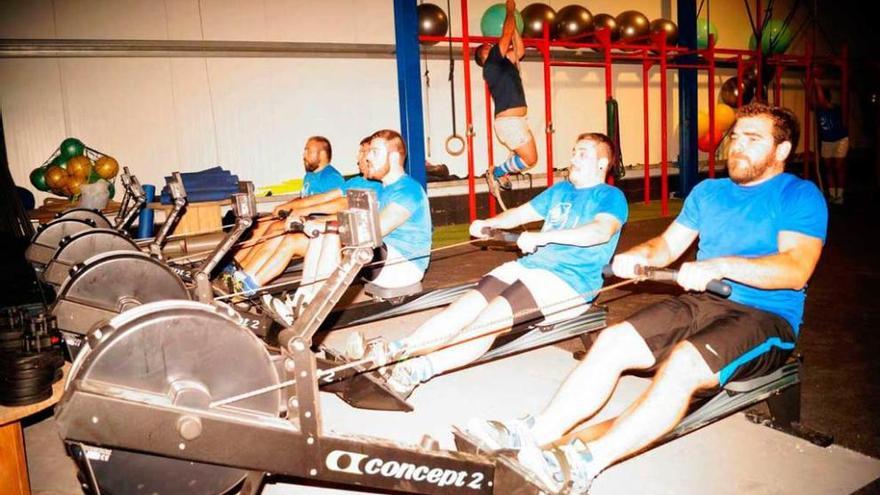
(704, 28)
(112, 190)
(93, 176)
(776, 38)
(71, 147)
(492, 21)
(60, 161)
(38, 179)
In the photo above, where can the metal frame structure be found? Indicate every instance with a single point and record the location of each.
(649, 51)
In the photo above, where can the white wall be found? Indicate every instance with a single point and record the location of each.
(252, 115)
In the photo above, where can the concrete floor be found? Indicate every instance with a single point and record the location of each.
(732, 456)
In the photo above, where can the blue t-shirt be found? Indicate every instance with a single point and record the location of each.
(325, 180)
(564, 206)
(734, 220)
(831, 126)
(359, 182)
(413, 238)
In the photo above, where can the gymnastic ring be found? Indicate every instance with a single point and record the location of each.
(456, 149)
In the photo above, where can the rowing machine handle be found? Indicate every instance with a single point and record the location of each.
(717, 287)
(500, 235)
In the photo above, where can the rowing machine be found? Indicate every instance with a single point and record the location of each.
(178, 397)
(109, 283)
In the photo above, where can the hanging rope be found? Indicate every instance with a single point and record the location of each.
(454, 143)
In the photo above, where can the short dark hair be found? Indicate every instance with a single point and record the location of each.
(786, 126)
(477, 51)
(365, 140)
(325, 145)
(605, 142)
(394, 139)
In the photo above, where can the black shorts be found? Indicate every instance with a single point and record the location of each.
(517, 295)
(738, 342)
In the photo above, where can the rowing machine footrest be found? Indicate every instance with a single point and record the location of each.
(390, 293)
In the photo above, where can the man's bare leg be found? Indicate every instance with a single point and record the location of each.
(406, 376)
(584, 392)
(528, 152)
(289, 246)
(321, 258)
(496, 317)
(261, 228)
(658, 410)
(452, 320)
(264, 248)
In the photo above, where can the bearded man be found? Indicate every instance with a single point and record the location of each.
(762, 231)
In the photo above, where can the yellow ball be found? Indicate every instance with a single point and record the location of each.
(79, 166)
(107, 167)
(56, 177)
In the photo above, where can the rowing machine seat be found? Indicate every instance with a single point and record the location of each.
(391, 293)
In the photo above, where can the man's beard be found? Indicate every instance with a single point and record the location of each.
(750, 172)
(310, 166)
(381, 173)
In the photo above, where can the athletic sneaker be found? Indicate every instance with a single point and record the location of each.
(278, 308)
(563, 468)
(408, 375)
(497, 183)
(355, 346)
(504, 435)
(223, 283)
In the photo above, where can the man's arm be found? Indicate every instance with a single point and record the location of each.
(308, 201)
(509, 219)
(326, 208)
(509, 28)
(599, 231)
(391, 217)
(791, 268)
(659, 251)
(519, 48)
(821, 101)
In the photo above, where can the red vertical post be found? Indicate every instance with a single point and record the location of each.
(844, 84)
(490, 148)
(710, 58)
(739, 80)
(759, 49)
(604, 38)
(777, 86)
(548, 103)
(646, 66)
(808, 128)
(664, 165)
(468, 113)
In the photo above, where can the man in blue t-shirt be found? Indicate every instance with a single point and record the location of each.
(274, 248)
(762, 231)
(557, 279)
(320, 175)
(405, 223)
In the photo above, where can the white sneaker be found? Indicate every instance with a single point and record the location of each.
(504, 435)
(355, 346)
(277, 306)
(562, 469)
(408, 375)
